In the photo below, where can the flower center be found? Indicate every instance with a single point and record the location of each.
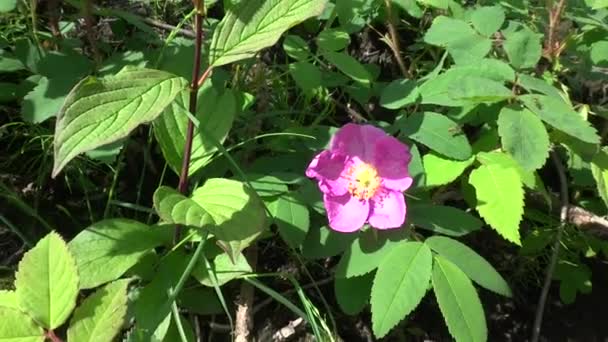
(363, 181)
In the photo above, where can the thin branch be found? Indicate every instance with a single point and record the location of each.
(50, 334)
(563, 185)
(244, 314)
(394, 38)
(167, 27)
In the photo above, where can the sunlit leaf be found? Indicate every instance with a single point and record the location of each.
(15, 326)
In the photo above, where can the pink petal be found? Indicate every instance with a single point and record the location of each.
(346, 213)
(388, 210)
(392, 158)
(327, 168)
(357, 140)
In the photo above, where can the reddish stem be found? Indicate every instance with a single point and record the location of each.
(50, 334)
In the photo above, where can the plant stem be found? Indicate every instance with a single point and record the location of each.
(395, 45)
(50, 334)
(563, 219)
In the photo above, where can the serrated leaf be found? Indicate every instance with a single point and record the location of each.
(47, 282)
(401, 281)
(105, 250)
(475, 90)
(251, 26)
(599, 169)
(443, 219)
(368, 251)
(352, 294)
(440, 170)
(488, 19)
(100, 111)
(438, 132)
(399, 93)
(506, 160)
(223, 268)
(15, 326)
(458, 302)
(471, 263)
(462, 42)
(324, 242)
(523, 47)
(9, 299)
(349, 66)
(500, 198)
(101, 315)
(292, 219)
(216, 111)
(561, 116)
(524, 136)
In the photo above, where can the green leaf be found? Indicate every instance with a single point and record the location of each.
(333, 40)
(101, 315)
(474, 90)
(352, 294)
(524, 136)
(349, 66)
(399, 93)
(443, 219)
(401, 281)
(353, 15)
(175, 208)
(173, 333)
(324, 242)
(223, 268)
(296, 47)
(9, 299)
(500, 198)
(105, 250)
(599, 169)
(561, 116)
(46, 99)
(523, 47)
(292, 219)
(47, 282)
(440, 170)
(507, 161)
(458, 302)
(539, 85)
(488, 20)
(438, 132)
(368, 251)
(251, 26)
(471, 263)
(442, 4)
(462, 42)
(15, 326)
(306, 75)
(8, 5)
(100, 111)
(216, 111)
(599, 52)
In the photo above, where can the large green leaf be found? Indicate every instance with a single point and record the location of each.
(368, 251)
(292, 218)
(599, 169)
(438, 132)
(399, 93)
(523, 47)
(9, 299)
(352, 294)
(400, 283)
(488, 20)
(561, 116)
(506, 160)
(15, 326)
(100, 111)
(216, 111)
(47, 282)
(500, 198)
(458, 302)
(324, 242)
(524, 136)
(8, 5)
(442, 219)
(462, 42)
(349, 66)
(105, 250)
(471, 263)
(173, 207)
(224, 269)
(475, 90)
(440, 170)
(250, 26)
(100, 317)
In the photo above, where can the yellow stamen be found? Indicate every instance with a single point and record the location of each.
(363, 181)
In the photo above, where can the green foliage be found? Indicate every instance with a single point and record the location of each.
(440, 170)
(251, 26)
(101, 315)
(443, 219)
(132, 97)
(352, 294)
(458, 301)
(17, 326)
(47, 282)
(223, 268)
(400, 283)
(292, 219)
(522, 45)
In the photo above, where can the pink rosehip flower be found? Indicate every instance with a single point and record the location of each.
(362, 177)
